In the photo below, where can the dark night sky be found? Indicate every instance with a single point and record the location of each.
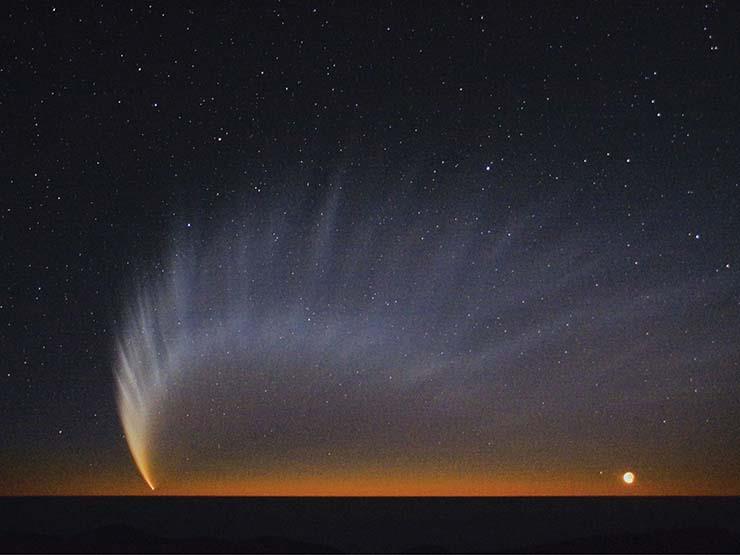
(528, 214)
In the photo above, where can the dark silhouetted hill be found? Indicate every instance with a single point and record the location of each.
(126, 539)
(369, 525)
(688, 540)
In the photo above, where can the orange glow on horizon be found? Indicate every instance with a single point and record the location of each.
(370, 484)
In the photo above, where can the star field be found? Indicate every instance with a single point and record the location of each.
(370, 249)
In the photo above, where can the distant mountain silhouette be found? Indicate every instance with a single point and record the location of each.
(126, 539)
(427, 549)
(686, 540)
(369, 525)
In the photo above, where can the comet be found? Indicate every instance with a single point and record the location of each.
(139, 387)
(333, 329)
(317, 309)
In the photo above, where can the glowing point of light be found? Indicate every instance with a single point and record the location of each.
(628, 478)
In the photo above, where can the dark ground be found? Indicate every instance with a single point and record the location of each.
(323, 525)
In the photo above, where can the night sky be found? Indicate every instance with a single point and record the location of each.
(352, 249)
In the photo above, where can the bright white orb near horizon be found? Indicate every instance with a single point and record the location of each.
(628, 478)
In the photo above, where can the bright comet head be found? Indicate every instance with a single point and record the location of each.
(628, 478)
